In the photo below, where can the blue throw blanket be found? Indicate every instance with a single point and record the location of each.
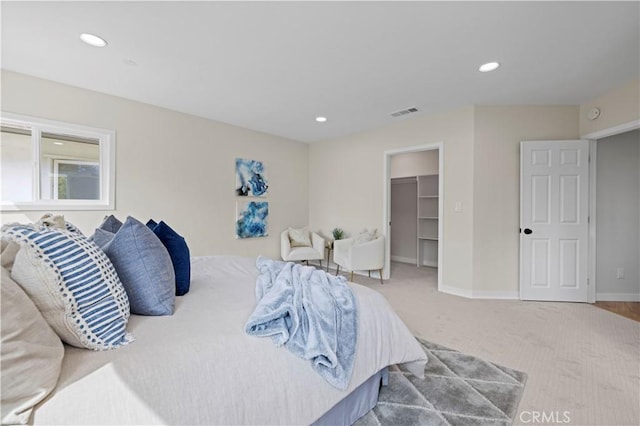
(311, 313)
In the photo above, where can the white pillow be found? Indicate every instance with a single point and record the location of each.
(31, 354)
(365, 236)
(299, 237)
(73, 284)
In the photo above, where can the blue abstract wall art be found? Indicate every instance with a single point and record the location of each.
(252, 219)
(251, 180)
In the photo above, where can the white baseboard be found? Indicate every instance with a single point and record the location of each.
(430, 264)
(402, 259)
(470, 294)
(508, 295)
(462, 292)
(617, 297)
(514, 295)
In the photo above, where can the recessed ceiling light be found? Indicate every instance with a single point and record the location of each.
(93, 40)
(489, 66)
(58, 143)
(321, 119)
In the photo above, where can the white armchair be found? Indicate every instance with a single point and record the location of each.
(306, 253)
(359, 257)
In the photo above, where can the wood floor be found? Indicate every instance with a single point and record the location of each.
(626, 309)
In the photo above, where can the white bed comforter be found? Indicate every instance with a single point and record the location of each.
(199, 367)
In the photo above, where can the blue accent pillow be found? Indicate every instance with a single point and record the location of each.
(143, 265)
(178, 251)
(111, 224)
(73, 284)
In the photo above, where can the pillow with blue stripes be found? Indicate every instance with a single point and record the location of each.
(73, 284)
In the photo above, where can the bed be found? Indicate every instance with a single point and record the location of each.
(198, 366)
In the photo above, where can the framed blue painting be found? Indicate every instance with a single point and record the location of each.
(251, 219)
(251, 180)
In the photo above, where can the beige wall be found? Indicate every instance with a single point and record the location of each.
(618, 106)
(496, 179)
(180, 168)
(481, 171)
(346, 182)
(174, 166)
(414, 164)
(617, 228)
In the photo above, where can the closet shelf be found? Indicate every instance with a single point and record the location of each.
(428, 219)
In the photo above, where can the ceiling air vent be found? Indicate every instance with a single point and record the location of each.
(404, 112)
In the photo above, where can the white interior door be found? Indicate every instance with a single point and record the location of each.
(554, 214)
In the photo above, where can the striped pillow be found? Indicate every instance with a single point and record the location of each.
(73, 284)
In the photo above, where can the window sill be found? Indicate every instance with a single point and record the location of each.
(66, 205)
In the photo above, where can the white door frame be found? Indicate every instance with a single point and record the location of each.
(593, 139)
(386, 202)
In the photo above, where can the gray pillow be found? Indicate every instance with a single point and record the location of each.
(143, 265)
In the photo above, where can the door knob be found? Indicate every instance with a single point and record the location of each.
(528, 231)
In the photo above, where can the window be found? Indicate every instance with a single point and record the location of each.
(47, 165)
(76, 180)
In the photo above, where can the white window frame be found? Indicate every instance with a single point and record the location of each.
(107, 146)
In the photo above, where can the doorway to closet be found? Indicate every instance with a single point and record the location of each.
(413, 206)
(617, 218)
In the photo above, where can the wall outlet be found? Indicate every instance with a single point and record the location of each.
(620, 273)
(458, 207)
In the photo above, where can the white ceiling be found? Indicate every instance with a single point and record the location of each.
(275, 66)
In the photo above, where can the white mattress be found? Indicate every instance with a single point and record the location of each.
(199, 367)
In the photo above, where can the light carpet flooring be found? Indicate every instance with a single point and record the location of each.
(580, 359)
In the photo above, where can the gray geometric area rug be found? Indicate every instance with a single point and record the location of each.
(458, 389)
